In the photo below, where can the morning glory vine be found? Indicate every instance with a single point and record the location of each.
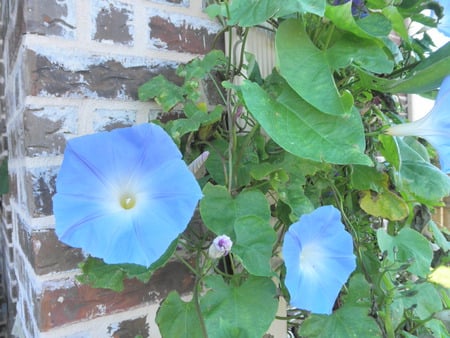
(306, 187)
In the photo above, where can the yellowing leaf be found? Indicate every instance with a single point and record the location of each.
(385, 204)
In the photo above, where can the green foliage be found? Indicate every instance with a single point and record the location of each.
(355, 310)
(98, 274)
(245, 220)
(304, 131)
(399, 249)
(424, 77)
(177, 318)
(229, 308)
(414, 175)
(295, 47)
(110, 276)
(308, 134)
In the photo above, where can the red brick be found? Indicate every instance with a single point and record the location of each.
(46, 253)
(181, 35)
(100, 78)
(57, 307)
(113, 22)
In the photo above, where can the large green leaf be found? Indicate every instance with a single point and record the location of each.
(110, 276)
(98, 274)
(301, 63)
(423, 298)
(407, 247)
(302, 6)
(420, 178)
(368, 178)
(363, 53)
(246, 220)
(426, 76)
(245, 310)
(254, 242)
(398, 22)
(372, 26)
(427, 183)
(303, 130)
(414, 174)
(247, 203)
(176, 318)
(248, 13)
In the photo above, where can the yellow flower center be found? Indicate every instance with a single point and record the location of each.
(127, 201)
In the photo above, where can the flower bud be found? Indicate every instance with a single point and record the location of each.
(220, 247)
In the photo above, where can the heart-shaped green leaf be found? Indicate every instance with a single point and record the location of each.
(254, 241)
(303, 130)
(246, 220)
(407, 247)
(245, 310)
(302, 63)
(177, 318)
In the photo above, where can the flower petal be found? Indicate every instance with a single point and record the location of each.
(318, 255)
(433, 127)
(140, 163)
(444, 23)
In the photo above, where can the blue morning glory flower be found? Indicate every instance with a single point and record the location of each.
(444, 23)
(433, 127)
(125, 195)
(359, 9)
(318, 255)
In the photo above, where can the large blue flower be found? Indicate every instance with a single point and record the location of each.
(125, 195)
(444, 23)
(318, 254)
(433, 127)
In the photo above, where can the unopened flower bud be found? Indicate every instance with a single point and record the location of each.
(220, 247)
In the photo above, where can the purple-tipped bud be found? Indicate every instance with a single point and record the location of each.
(220, 247)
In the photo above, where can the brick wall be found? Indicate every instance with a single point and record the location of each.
(69, 68)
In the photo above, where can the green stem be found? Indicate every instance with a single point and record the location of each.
(390, 331)
(241, 57)
(232, 141)
(218, 89)
(198, 309)
(196, 298)
(376, 132)
(329, 36)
